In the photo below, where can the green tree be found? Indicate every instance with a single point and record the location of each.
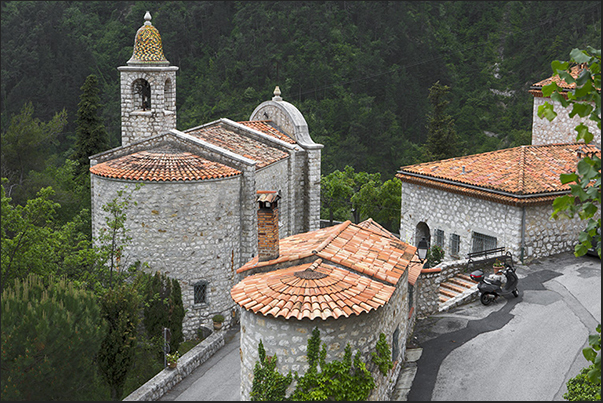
(25, 147)
(32, 241)
(163, 308)
(120, 310)
(585, 182)
(113, 237)
(441, 141)
(91, 135)
(51, 333)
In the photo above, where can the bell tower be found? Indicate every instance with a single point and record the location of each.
(148, 88)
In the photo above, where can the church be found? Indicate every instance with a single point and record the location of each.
(195, 217)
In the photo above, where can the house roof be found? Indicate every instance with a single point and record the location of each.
(167, 163)
(349, 245)
(536, 89)
(222, 135)
(164, 163)
(312, 290)
(519, 175)
(265, 126)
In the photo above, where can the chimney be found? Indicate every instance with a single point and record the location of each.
(268, 239)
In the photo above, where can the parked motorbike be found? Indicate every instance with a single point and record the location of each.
(490, 287)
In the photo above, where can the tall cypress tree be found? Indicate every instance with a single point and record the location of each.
(442, 142)
(91, 134)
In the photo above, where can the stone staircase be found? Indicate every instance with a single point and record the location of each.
(457, 290)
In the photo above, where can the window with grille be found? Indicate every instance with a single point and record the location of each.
(482, 242)
(439, 238)
(200, 290)
(455, 244)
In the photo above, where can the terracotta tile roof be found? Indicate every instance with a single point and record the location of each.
(536, 89)
(220, 135)
(312, 290)
(162, 164)
(348, 245)
(265, 127)
(376, 227)
(505, 175)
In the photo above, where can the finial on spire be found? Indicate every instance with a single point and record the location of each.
(277, 94)
(147, 18)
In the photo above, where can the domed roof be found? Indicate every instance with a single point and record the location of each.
(147, 45)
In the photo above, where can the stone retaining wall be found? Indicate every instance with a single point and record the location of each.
(164, 381)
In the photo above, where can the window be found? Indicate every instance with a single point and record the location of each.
(200, 290)
(439, 238)
(455, 244)
(483, 242)
(142, 89)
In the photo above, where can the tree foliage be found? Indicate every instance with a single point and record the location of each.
(33, 242)
(163, 308)
(120, 309)
(585, 182)
(91, 135)
(441, 141)
(356, 196)
(51, 333)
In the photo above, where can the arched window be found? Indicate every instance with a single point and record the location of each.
(142, 94)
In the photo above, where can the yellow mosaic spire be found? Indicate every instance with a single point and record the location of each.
(147, 45)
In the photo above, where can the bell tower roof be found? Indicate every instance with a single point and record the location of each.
(148, 49)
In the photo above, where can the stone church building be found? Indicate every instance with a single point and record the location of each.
(195, 217)
(500, 198)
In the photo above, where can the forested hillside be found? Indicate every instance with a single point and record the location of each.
(360, 72)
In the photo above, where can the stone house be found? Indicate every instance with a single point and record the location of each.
(194, 217)
(348, 280)
(501, 198)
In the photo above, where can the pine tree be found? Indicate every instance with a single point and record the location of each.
(51, 334)
(91, 134)
(442, 141)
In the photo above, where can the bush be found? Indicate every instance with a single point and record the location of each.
(435, 255)
(580, 388)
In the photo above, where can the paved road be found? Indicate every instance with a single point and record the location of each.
(523, 348)
(217, 379)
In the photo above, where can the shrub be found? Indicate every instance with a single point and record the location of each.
(580, 388)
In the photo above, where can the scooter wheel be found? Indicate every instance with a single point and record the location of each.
(485, 299)
(515, 293)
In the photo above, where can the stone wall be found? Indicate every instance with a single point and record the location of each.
(164, 381)
(560, 129)
(460, 215)
(288, 339)
(546, 236)
(464, 215)
(188, 230)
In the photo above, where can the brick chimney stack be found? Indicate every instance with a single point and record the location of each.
(268, 239)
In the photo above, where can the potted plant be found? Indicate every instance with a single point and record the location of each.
(172, 359)
(498, 265)
(218, 319)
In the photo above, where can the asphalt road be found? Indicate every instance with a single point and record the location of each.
(523, 348)
(217, 379)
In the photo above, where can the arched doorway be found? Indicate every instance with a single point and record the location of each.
(422, 231)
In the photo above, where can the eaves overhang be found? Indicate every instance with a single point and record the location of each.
(480, 192)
